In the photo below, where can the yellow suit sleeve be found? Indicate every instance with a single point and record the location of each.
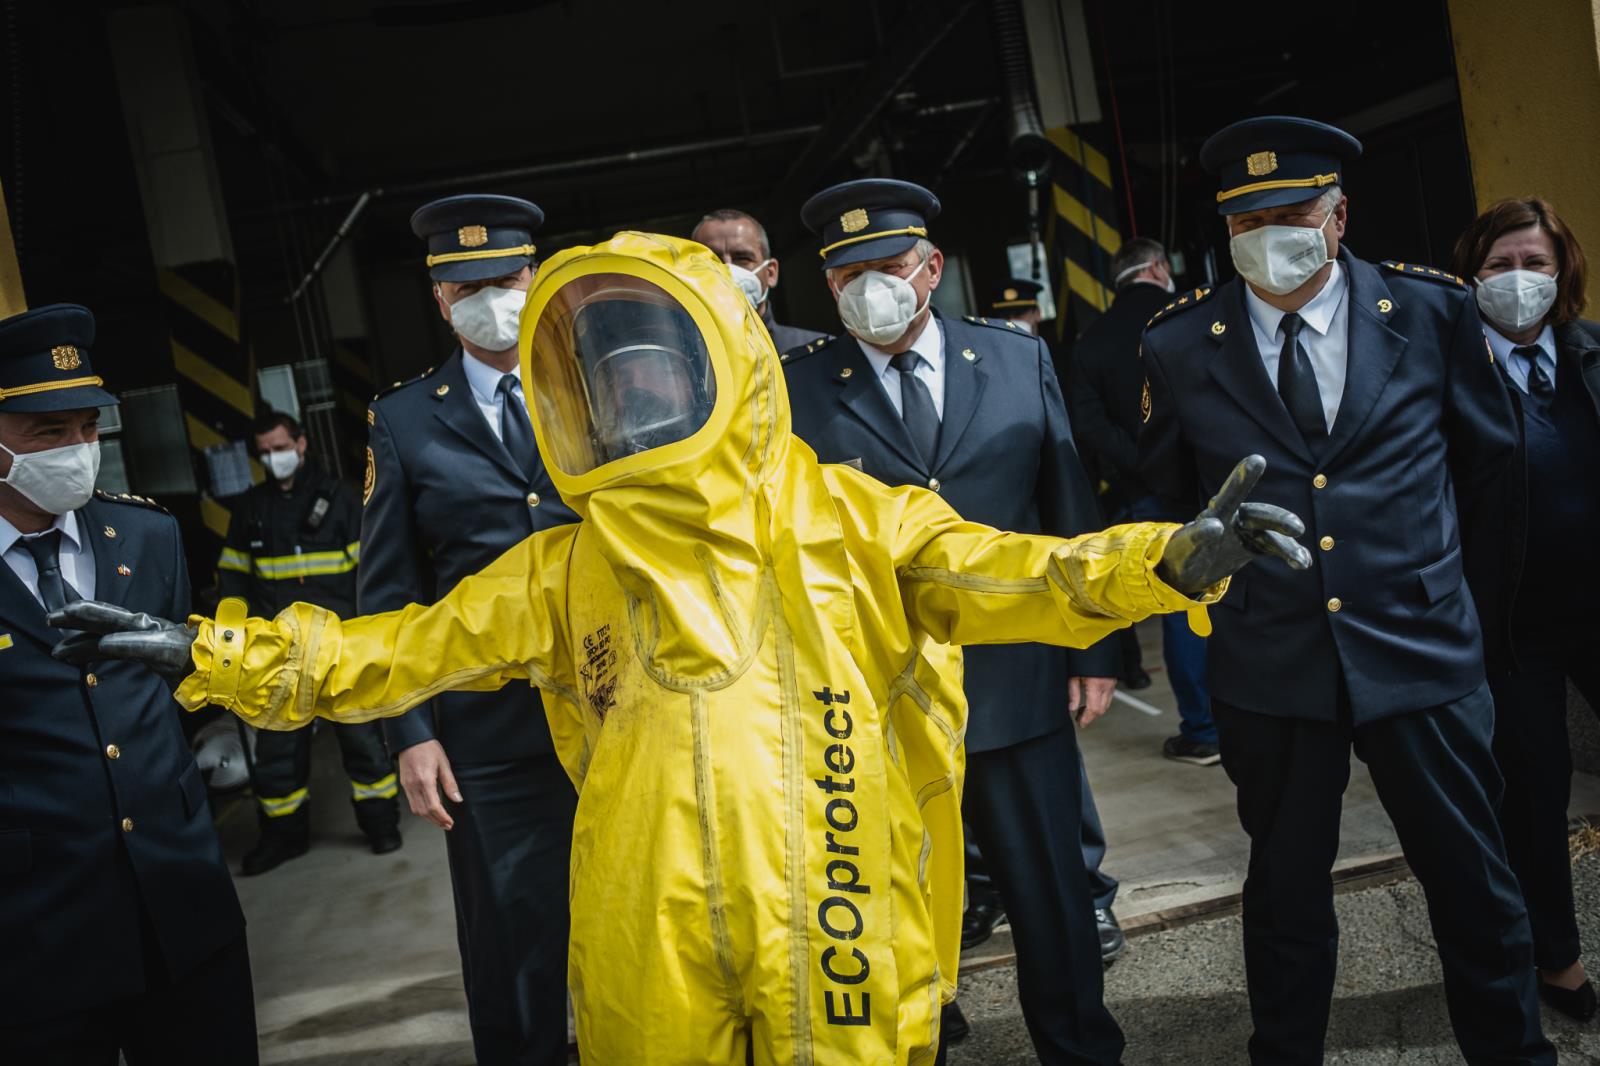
(501, 624)
(966, 583)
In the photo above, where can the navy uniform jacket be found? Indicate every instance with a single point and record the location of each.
(444, 500)
(1496, 538)
(1423, 427)
(1005, 459)
(87, 835)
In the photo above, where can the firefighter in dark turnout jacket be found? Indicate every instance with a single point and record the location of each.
(297, 536)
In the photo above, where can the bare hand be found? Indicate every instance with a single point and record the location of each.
(424, 773)
(1089, 697)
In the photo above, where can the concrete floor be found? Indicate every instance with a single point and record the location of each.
(355, 955)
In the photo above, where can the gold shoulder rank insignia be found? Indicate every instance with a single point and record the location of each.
(371, 480)
(1417, 270)
(131, 500)
(1182, 303)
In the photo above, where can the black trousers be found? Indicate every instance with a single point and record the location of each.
(1023, 805)
(1535, 755)
(1436, 777)
(281, 772)
(204, 1018)
(508, 866)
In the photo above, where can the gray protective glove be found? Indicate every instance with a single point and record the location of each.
(1230, 533)
(110, 632)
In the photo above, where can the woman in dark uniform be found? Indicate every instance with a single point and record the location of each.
(1536, 597)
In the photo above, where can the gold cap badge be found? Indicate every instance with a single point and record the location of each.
(472, 236)
(854, 220)
(1008, 294)
(1259, 163)
(65, 357)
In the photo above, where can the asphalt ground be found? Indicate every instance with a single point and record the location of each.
(1179, 994)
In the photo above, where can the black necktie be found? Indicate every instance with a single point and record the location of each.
(1297, 384)
(916, 407)
(515, 432)
(46, 552)
(1539, 386)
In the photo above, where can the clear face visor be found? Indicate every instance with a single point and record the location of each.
(619, 368)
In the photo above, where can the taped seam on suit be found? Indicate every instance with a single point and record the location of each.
(711, 864)
(758, 631)
(308, 692)
(938, 575)
(795, 847)
(291, 673)
(1071, 582)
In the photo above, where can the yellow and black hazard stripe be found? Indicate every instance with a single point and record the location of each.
(1082, 233)
(216, 372)
(382, 789)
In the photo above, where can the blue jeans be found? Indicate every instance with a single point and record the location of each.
(1183, 652)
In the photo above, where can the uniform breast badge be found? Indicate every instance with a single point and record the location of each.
(370, 480)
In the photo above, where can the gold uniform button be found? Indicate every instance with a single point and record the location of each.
(113, 752)
(1327, 543)
(533, 499)
(1334, 604)
(127, 825)
(1320, 481)
(933, 483)
(91, 680)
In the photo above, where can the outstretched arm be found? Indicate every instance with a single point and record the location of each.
(964, 583)
(502, 623)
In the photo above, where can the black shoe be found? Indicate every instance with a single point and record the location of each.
(953, 1027)
(1112, 942)
(384, 839)
(1182, 749)
(1135, 679)
(1578, 1003)
(273, 850)
(979, 923)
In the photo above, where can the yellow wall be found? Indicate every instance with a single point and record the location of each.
(11, 298)
(1529, 72)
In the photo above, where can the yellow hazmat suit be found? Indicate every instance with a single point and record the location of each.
(736, 647)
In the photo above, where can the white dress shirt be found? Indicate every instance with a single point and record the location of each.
(77, 557)
(1501, 346)
(1325, 337)
(930, 368)
(484, 380)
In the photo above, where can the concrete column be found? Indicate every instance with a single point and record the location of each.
(1530, 99)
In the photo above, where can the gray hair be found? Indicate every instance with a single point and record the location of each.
(733, 214)
(1140, 252)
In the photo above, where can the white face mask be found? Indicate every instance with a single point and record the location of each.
(879, 307)
(57, 480)
(490, 318)
(1280, 259)
(281, 464)
(1517, 299)
(749, 282)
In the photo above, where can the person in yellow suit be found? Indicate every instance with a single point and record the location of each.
(737, 647)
